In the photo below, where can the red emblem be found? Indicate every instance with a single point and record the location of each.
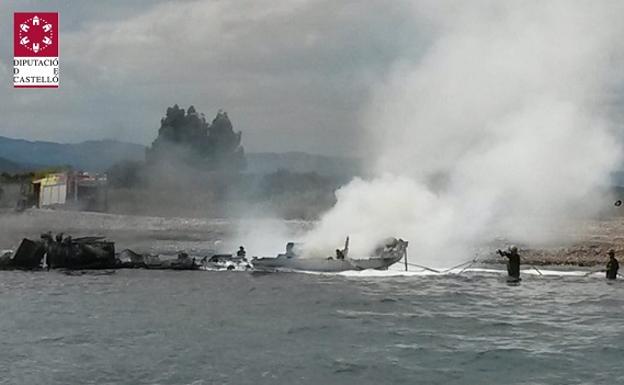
(35, 34)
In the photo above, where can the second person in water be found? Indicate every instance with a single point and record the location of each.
(513, 262)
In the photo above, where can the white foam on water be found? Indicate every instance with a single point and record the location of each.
(558, 273)
(484, 271)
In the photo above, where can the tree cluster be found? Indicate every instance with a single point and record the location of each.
(186, 136)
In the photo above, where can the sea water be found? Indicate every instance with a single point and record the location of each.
(195, 327)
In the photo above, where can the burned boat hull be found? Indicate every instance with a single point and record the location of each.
(390, 252)
(29, 254)
(81, 253)
(182, 262)
(322, 265)
(64, 253)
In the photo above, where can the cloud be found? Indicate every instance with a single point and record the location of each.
(291, 73)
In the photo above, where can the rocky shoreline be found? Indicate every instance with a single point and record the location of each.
(581, 255)
(587, 243)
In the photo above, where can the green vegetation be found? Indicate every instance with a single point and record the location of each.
(188, 138)
(197, 169)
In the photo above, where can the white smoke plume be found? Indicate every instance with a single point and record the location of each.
(501, 127)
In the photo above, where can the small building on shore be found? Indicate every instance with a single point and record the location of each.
(71, 190)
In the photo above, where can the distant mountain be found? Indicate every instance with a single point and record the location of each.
(99, 155)
(93, 155)
(10, 166)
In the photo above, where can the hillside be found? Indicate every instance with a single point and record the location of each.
(99, 155)
(95, 155)
(10, 166)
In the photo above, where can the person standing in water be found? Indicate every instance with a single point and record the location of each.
(290, 250)
(513, 262)
(612, 266)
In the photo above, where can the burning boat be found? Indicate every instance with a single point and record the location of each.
(387, 253)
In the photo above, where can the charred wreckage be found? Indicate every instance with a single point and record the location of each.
(94, 252)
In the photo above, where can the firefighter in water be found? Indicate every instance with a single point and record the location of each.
(241, 253)
(513, 262)
(612, 266)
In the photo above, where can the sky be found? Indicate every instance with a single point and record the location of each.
(293, 75)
